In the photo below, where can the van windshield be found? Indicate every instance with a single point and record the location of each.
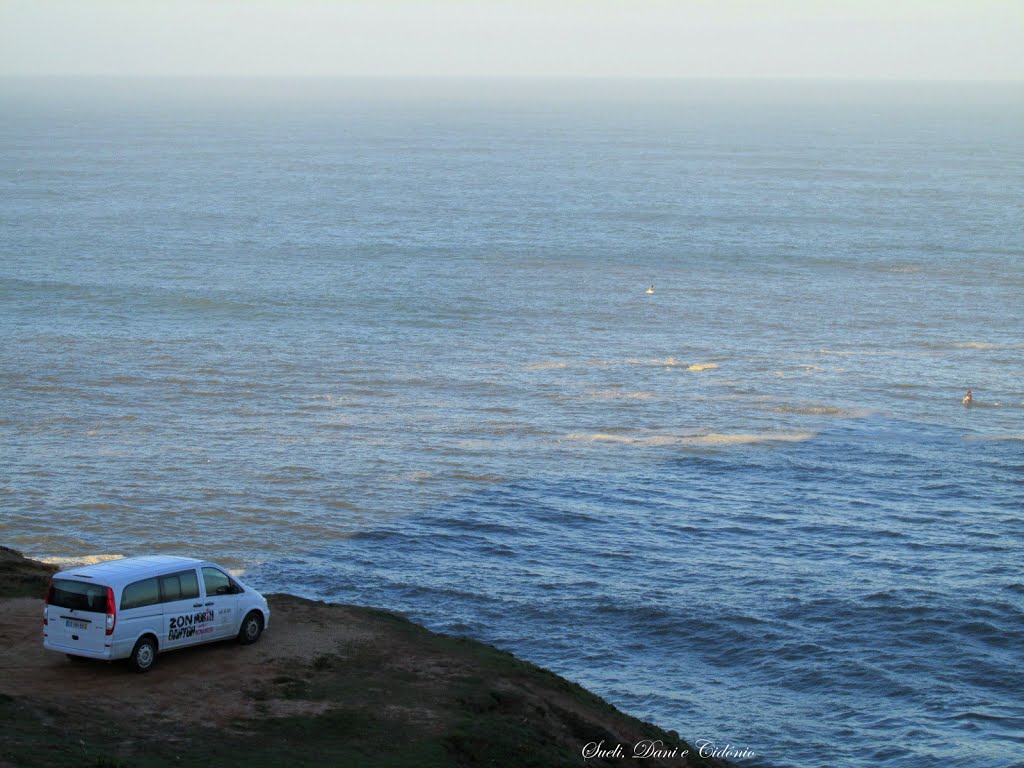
(78, 595)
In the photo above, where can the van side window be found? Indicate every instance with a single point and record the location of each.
(179, 586)
(218, 583)
(145, 592)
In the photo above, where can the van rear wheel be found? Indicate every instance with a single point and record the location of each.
(251, 629)
(143, 655)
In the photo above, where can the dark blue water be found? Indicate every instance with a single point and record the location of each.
(390, 343)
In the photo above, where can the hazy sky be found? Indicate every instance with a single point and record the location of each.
(905, 39)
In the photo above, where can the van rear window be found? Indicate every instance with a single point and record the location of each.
(78, 596)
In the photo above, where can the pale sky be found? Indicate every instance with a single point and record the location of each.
(862, 39)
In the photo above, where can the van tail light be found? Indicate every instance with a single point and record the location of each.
(46, 603)
(111, 611)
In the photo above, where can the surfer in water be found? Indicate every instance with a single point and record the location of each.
(650, 290)
(968, 398)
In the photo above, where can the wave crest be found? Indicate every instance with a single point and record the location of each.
(820, 409)
(707, 438)
(71, 562)
(994, 438)
(614, 394)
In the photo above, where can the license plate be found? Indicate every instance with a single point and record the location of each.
(76, 624)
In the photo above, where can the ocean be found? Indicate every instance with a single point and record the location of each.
(391, 343)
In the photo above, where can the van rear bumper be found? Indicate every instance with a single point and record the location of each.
(104, 655)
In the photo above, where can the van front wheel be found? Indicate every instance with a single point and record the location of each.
(143, 655)
(251, 629)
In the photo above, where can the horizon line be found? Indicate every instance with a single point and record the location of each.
(493, 76)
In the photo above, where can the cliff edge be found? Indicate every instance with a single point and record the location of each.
(327, 685)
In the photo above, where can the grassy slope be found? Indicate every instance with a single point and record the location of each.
(410, 698)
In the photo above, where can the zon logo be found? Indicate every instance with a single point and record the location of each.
(187, 625)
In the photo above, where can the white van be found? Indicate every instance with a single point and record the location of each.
(137, 607)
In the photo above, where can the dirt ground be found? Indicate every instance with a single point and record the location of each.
(209, 684)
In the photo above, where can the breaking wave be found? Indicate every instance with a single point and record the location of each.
(974, 345)
(817, 409)
(71, 562)
(708, 438)
(614, 394)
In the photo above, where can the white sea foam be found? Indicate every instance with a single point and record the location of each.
(664, 362)
(715, 438)
(556, 365)
(615, 394)
(818, 409)
(648, 440)
(859, 352)
(670, 362)
(70, 562)
(974, 345)
(902, 269)
(709, 438)
(549, 365)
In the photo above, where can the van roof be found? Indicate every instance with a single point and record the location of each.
(127, 567)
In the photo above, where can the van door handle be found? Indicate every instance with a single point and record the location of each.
(209, 603)
(198, 605)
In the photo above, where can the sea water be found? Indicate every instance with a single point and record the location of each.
(392, 343)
